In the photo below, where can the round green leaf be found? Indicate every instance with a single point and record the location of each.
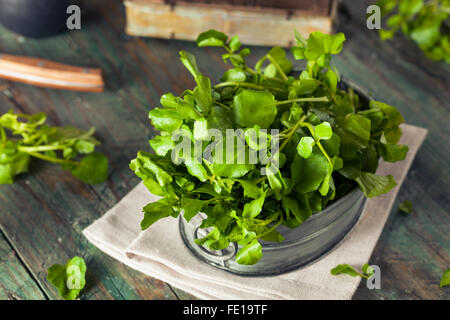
(212, 38)
(254, 108)
(323, 131)
(304, 147)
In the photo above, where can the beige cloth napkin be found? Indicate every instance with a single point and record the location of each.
(160, 252)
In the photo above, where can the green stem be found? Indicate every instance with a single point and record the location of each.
(313, 99)
(278, 67)
(311, 129)
(51, 159)
(3, 137)
(291, 133)
(248, 85)
(40, 148)
(333, 96)
(221, 104)
(271, 229)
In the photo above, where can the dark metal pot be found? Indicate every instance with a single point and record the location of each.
(34, 18)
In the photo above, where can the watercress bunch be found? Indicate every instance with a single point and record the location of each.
(329, 143)
(29, 137)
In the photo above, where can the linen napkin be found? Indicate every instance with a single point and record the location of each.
(160, 252)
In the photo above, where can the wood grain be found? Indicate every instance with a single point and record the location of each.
(43, 213)
(16, 283)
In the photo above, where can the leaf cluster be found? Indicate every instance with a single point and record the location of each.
(329, 143)
(23, 137)
(68, 279)
(425, 22)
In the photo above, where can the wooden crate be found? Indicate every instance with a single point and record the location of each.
(257, 22)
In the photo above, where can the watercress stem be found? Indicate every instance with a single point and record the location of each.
(40, 148)
(271, 229)
(278, 67)
(248, 85)
(313, 99)
(51, 159)
(291, 133)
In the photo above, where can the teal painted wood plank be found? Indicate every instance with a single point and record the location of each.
(16, 283)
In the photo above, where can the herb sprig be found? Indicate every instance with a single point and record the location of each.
(68, 279)
(330, 143)
(367, 271)
(425, 22)
(30, 138)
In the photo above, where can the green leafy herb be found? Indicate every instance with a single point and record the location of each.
(406, 207)
(30, 138)
(425, 22)
(445, 280)
(68, 279)
(329, 142)
(367, 271)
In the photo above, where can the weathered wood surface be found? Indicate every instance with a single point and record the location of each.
(186, 21)
(16, 283)
(43, 213)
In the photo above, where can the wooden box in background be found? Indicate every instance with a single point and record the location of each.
(258, 22)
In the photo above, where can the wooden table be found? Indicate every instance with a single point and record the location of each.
(43, 213)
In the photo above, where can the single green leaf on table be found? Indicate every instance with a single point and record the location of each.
(347, 269)
(405, 207)
(445, 280)
(68, 279)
